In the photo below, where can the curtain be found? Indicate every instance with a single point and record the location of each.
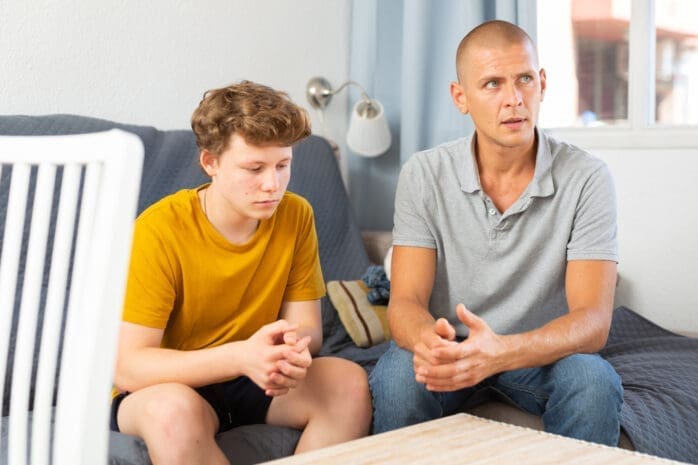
(403, 53)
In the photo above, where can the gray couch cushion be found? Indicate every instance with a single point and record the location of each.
(242, 445)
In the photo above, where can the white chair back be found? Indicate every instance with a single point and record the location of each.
(65, 237)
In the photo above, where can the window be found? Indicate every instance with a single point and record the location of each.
(676, 79)
(619, 63)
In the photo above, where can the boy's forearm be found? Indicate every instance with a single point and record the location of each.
(153, 365)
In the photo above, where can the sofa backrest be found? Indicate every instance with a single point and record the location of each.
(171, 163)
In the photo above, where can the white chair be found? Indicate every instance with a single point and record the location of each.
(63, 268)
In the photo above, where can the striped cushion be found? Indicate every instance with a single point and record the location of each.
(366, 324)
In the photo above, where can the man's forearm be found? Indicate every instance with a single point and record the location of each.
(581, 331)
(407, 320)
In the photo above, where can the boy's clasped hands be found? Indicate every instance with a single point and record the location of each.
(278, 358)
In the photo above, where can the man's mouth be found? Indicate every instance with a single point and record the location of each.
(514, 123)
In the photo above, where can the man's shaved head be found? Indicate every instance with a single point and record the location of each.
(491, 34)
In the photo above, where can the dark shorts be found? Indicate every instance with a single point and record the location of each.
(237, 402)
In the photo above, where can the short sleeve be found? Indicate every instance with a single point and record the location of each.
(595, 229)
(410, 225)
(150, 289)
(305, 281)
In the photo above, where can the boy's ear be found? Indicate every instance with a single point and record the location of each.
(459, 98)
(209, 162)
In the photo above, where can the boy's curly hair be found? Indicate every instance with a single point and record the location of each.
(260, 114)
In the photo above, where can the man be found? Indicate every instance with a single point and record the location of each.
(222, 308)
(504, 260)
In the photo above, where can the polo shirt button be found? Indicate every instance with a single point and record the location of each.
(492, 211)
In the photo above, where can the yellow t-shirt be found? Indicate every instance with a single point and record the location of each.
(187, 279)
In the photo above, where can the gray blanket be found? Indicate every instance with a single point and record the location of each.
(659, 370)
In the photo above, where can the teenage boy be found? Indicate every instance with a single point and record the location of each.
(222, 310)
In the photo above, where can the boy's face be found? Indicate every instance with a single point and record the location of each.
(249, 180)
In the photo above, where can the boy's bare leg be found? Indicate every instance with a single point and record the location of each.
(176, 423)
(331, 405)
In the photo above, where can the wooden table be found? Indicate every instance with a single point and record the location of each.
(466, 439)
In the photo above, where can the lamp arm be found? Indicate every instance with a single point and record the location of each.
(364, 94)
(368, 133)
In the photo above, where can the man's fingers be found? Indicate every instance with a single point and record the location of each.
(443, 372)
(444, 329)
(469, 319)
(448, 354)
(446, 378)
(424, 355)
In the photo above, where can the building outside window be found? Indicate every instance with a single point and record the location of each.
(585, 47)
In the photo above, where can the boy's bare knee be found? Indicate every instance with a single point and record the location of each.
(349, 396)
(356, 396)
(172, 412)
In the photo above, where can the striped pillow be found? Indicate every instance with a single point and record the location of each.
(366, 324)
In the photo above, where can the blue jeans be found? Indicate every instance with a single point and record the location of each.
(578, 396)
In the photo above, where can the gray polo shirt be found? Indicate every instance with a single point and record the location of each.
(509, 268)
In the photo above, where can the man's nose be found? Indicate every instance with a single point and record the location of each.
(513, 96)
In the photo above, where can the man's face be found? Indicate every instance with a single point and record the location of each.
(249, 180)
(501, 88)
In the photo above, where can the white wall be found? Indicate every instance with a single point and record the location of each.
(656, 178)
(657, 229)
(149, 62)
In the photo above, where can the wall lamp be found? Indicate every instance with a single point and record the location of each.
(368, 134)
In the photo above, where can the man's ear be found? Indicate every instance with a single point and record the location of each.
(459, 98)
(543, 83)
(209, 162)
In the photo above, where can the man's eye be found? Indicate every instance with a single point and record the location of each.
(491, 84)
(254, 169)
(282, 166)
(526, 79)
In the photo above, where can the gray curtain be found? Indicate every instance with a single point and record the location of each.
(403, 53)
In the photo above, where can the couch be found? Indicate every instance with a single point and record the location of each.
(171, 163)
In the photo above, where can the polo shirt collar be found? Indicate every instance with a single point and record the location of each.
(470, 178)
(542, 183)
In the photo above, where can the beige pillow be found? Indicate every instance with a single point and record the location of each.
(366, 324)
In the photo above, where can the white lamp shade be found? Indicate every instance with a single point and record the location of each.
(368, 136)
